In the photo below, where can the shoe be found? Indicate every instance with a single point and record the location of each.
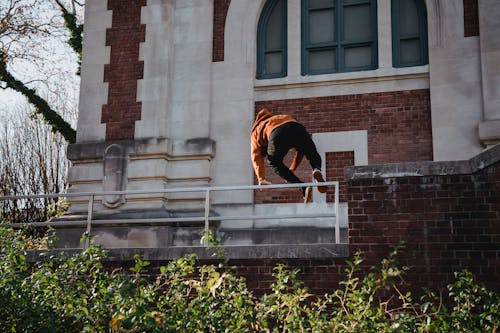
(318, 177)
(308, 194)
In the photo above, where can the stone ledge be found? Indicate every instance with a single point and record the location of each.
(143, 147)
(421, 169)
(278, 251)
(489, 132)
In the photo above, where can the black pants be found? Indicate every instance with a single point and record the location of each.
(282, 139)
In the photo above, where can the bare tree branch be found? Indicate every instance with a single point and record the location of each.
(57, 123)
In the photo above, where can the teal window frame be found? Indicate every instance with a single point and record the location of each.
(397, 37)
(339, 45)
(261, 40)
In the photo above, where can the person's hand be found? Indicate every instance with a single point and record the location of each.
(264, 182)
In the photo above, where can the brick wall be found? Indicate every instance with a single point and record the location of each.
(122, 109)
(335, 164)
(448, 222)
(448, 213)
(220, 12)
(398, 125)
(471, 18)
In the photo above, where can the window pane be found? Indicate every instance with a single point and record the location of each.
(321, 26)
(273, 63)
(273, 31)
(410, 51)
(408, 21)
(313, 4)
(358, 56)
(322, 60)
(357, 23)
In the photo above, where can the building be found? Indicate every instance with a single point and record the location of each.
(170, 89)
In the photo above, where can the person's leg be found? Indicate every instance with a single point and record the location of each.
(304, 143)
(279, 144)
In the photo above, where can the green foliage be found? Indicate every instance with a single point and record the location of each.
(77, 293)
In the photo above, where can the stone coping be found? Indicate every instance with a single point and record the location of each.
(428, 168)
(272, 251)
(147, 146)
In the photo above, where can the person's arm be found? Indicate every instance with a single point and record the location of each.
(258, 161)
(297, 159)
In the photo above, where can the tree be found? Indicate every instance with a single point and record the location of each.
(36, 61)
(32, 161)
(28, 29)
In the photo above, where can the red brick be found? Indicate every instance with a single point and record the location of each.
(220, 12)
(124, 69)
(471, 18)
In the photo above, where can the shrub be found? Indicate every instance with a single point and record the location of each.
(77, 293)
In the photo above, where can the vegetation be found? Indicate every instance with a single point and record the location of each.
(40, 53)
(32, 161)
(78, 294)
(33, 61)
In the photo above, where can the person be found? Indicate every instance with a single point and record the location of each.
(273, 136)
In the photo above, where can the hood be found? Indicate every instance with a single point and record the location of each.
(262, 115)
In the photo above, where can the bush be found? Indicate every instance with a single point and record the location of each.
(77, 294)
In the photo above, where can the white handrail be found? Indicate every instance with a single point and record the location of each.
(206, 218)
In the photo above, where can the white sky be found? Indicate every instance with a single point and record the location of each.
(56, 66)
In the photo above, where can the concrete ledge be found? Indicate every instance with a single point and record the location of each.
(489, 132)
(420, 169)
(279, 251)
(140, 147)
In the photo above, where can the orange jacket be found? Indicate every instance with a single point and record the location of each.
(264, 124)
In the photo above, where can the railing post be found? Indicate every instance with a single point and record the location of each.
(337, 214)
(207, 213)
(89, 220)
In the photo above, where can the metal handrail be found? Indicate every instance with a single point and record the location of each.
(206, 218)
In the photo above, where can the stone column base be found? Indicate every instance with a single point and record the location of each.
(145, 164)
(489, 132)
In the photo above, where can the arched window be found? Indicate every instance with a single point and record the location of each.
(409, 33)
(271, 40)
(338, 36)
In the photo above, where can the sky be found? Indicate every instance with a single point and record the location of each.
(52, 71)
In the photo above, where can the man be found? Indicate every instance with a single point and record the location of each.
(273, 136)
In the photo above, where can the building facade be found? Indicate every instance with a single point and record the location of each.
(170, 88)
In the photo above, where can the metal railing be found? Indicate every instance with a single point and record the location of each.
(206, 217)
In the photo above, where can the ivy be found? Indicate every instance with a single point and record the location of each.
(76, 31)
(57, 123)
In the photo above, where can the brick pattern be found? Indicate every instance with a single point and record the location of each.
(122, 109)
(448, 223)
(471, 18)
(284, 195)
(398, 125)
(320, 276)
(335, 163)
(220, 12)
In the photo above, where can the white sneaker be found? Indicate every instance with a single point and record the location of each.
(318, 178)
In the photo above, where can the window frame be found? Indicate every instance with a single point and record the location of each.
(422, 34)
(261, 40)
(338, 45)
